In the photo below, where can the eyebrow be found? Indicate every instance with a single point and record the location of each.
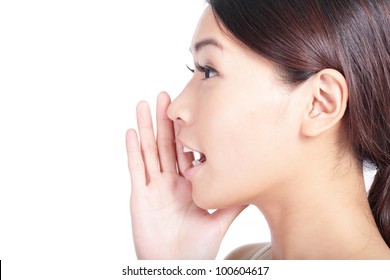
(206, 42)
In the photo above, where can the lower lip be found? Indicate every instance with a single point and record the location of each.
(190, 171)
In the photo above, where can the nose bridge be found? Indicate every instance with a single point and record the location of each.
(181, 108)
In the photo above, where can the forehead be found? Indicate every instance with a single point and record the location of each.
(209, 32)
(208, 28)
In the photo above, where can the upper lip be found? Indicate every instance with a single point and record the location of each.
(186, 149)
(189, 148)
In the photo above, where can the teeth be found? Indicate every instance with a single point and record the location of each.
(196, 154)
(197, 162)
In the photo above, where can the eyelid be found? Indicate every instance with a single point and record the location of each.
(203, 69)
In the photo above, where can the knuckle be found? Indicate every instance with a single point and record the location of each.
(135, 166)
(149, 149)
(165, 142)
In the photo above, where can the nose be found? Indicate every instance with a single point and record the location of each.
(179, 110)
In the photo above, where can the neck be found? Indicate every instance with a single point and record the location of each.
(323, 217)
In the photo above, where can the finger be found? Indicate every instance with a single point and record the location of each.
(134, 160)
(147, 139)
(165, 135)
(184, 160)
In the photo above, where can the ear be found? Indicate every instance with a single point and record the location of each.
(327, 103)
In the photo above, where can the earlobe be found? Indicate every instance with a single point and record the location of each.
(327, 103)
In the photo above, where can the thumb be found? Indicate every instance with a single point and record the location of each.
(225, 217)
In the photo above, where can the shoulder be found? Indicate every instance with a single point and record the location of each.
(251, 251)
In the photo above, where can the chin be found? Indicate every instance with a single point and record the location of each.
(207, 200)
(204, 200)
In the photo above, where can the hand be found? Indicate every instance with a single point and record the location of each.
(165, 221)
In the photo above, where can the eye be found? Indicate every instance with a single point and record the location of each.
(207, 70)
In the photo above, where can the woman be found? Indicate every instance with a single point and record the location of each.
(288, 100)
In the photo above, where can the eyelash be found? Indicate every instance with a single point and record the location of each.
(203, 69)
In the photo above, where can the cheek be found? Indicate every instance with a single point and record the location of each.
(243, 150)
(245, 135)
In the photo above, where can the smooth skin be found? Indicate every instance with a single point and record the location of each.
(266, 144)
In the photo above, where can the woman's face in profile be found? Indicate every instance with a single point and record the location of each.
(237, 113)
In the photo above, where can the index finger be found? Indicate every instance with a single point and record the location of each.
(165, 135)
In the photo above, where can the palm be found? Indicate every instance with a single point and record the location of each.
(166, 223)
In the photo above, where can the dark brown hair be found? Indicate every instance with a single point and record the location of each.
(302, 37)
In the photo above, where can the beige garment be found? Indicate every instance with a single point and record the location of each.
(265, 253)
(258, 251)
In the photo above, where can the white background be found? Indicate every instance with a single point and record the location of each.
(71, 74)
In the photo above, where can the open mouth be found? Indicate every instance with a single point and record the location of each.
(199, 157)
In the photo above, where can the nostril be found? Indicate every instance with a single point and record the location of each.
(173, 113)
(179, 111)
